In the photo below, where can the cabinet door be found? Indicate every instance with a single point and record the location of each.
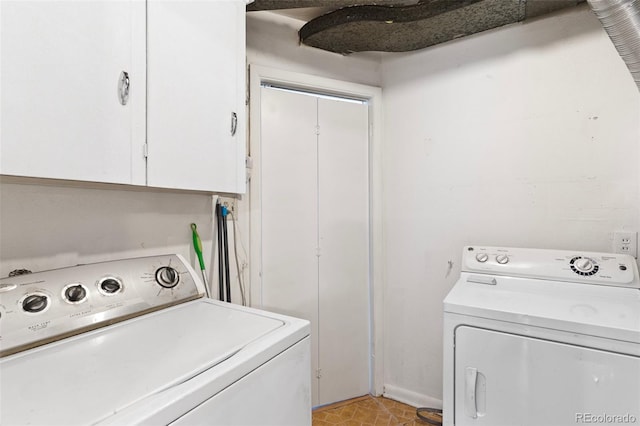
(505, 380)
(60, 108)
(196, 82)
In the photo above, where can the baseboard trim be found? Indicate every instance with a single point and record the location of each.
(409, 397)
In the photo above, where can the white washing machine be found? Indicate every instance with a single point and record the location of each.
(542, 338)
(134, 342)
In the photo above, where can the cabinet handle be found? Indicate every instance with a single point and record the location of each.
(123, 87)
(234, 123)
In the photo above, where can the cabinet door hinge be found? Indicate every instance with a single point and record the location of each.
(247, 90)
(318, 373)
(248, 162)
(317, 130)
(318, 252)
(145, 150)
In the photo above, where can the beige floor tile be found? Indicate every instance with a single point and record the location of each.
(319, 416)
(384, 420)
(320, 423)
(349, 411)
(367, 411)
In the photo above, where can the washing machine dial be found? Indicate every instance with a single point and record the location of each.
(35, 303)
(502, 259)
(75, 293)
(110, 286)
(482, 257)
(167, 277)
(583, 266)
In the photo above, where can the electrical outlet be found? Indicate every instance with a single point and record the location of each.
(625, 242)
(230, 204)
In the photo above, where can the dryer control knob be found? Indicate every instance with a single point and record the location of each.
(482, 257)
(167, 277)
(584, 265)
(502, 259)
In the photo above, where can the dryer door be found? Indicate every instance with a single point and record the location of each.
(503, 379)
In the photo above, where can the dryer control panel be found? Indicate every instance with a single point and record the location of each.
(558, 265)
(46, 306)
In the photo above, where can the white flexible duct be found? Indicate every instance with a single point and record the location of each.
(621, 20)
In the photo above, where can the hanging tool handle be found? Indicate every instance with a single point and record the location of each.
(197, 245)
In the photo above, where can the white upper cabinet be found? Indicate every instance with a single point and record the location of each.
(65, 70)
(196, 95)
(61, 66)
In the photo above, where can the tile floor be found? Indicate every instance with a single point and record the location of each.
(367, 411)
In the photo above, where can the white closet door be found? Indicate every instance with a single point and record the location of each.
(289, 209)
(315, 246)
(344, 247)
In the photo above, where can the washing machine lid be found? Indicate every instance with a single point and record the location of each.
(90, 377)
(602, 311)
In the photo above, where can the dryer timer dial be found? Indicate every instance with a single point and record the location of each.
(584, 266)
(167, 277)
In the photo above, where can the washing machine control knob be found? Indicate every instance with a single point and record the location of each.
(110, 286)
(482, 257)
(75, 293)
(502, 259)
(167, 277)
(35, 303)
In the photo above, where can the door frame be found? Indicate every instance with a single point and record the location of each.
(373, 95)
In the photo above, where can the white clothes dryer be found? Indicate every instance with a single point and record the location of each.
(542, 338)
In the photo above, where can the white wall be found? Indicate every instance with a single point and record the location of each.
(525, 136)
(272, 40)
(44, 227)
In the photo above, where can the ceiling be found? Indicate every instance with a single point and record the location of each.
(347, 26)
(304, 13)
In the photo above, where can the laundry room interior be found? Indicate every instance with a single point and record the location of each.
(526, 135)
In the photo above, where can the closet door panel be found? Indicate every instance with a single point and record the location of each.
(344, 246)
(289, 209)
